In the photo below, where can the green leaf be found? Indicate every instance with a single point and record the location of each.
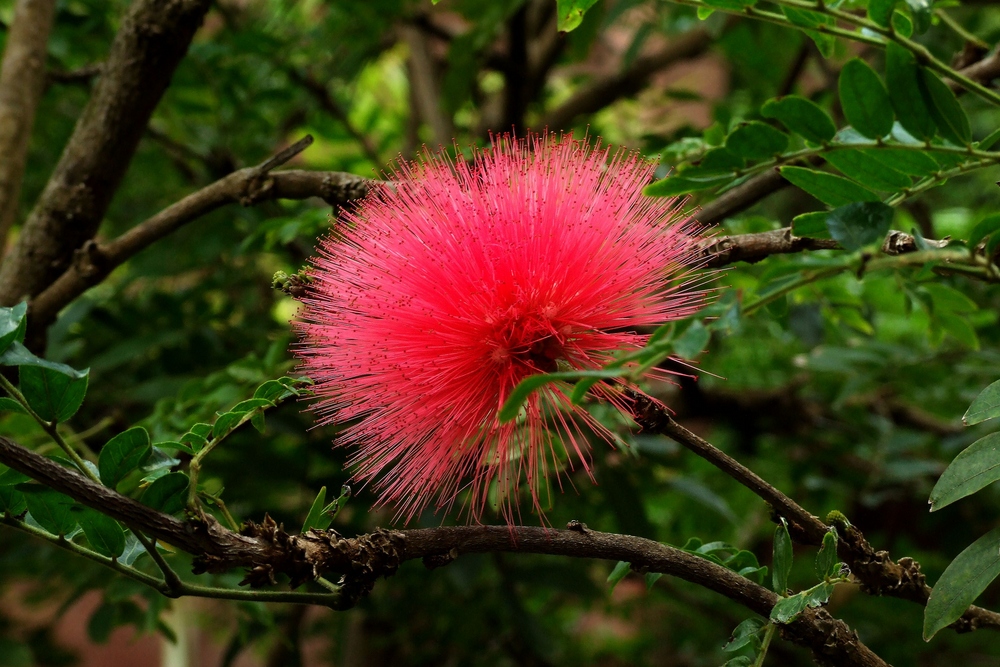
(865, 100)
(168, 493)
(989, 140)
(10, 405)
(570, 13)
(902, 24)
(315, 512)
(744, 634)
(512, 406)
(756, 140)
(732, 5)
(948, 114)
(811, 225)
(962, 582)
(949, 299)
(983, 228)
(856, 225)
(179, 446)
(921, 12)
(830, 189)
(54, 391)
(12, 501)
(902, 77)
(122, 454)
(986, 406)
(714, 161)
(880, 11)
(273, 391)
(916, 163)
(676, 185)
(977, 466)
(801, 116)
(12, 325)
(252, 404)
(10, 477)
(788, 608)
(693, 341)
(827, 563)
(103, 532)
(858, 166)
(617, 574)
(133, 549)
(50, 509)
(805, 18)
(226, 422)
(819, 594)
(651, 579)
(782, 559)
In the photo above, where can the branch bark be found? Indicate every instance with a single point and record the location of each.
(250, 186)
(153, 39)
(741, 197)
(875, 570)
(22, 82)
(267, 550)
(630, 81)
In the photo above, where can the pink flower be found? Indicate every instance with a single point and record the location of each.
(437, 295)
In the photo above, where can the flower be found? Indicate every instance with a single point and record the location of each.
(438, 294)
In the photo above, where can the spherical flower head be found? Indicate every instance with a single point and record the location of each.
(441, 291)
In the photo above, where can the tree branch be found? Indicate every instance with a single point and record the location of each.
(22, 82)
(250, 186)
(267, 550)
(424, 84)
(876, 571)
(601, 93)
(152, 40)
(741, 197)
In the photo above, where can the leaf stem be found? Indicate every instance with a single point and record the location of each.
(959, 29)
(768, 635)
(49, 428)
(182, 588)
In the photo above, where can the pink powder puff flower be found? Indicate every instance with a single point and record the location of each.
(434, 297)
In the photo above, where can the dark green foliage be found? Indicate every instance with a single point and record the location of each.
(836, 375)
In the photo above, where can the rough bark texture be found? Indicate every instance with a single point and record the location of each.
(94, 261)
(22, 82)
(267, 550)
(877, 573)
(153, 39)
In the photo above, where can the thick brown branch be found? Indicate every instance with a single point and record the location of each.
(876, 571)
(152, 40)
(268, 550)
(248, 186)
(22, 82)
(751, 248)
(601, 93)
(741, 197)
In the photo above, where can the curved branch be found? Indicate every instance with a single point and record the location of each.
(250, 186)
(153, 38)
(876, 571)
(22, 82)
(601, 93)
(267, 550)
